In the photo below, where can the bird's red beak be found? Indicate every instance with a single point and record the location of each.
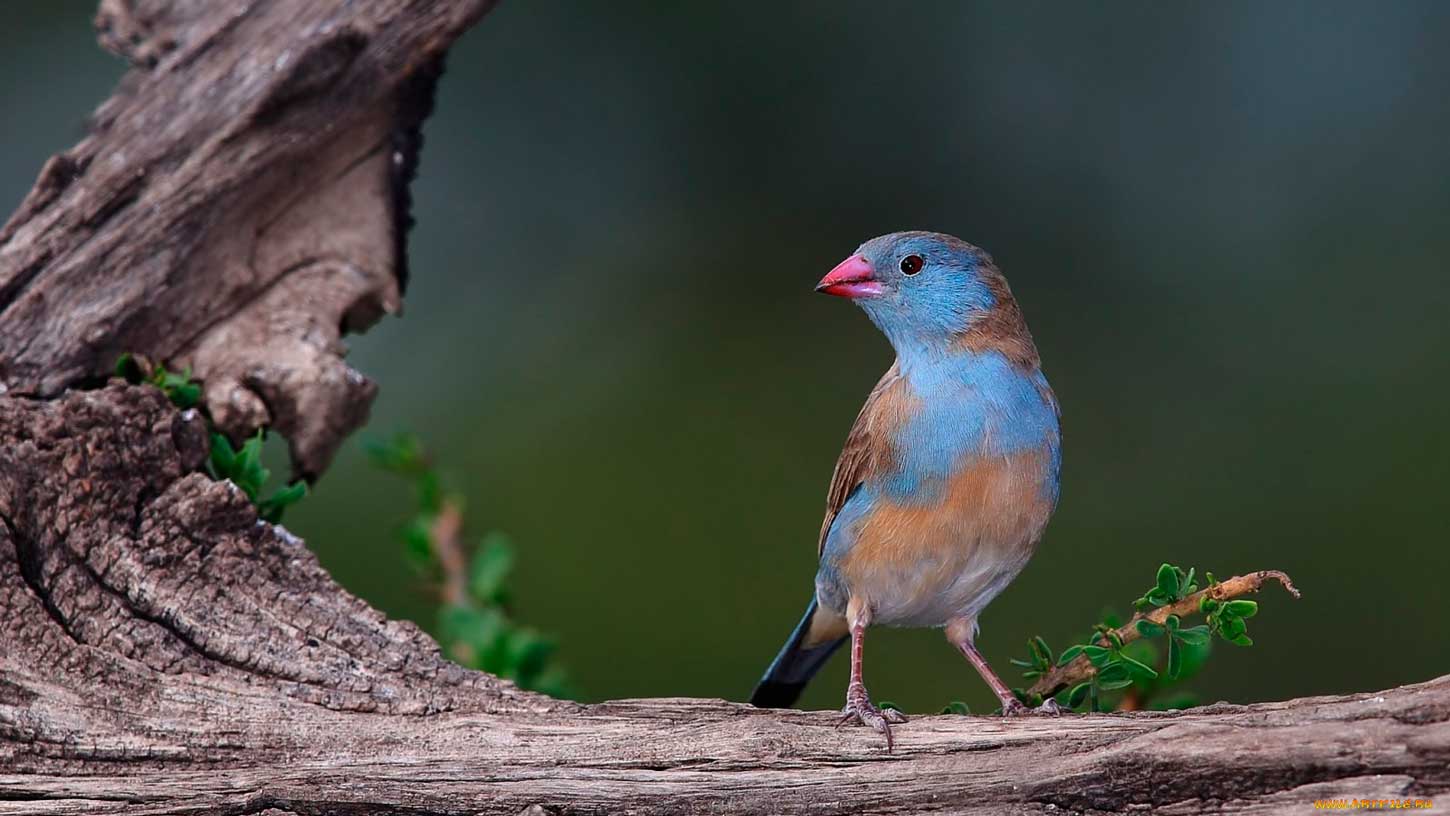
(851, 278)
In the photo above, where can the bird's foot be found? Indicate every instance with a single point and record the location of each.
(1016, 708)
(860, 711)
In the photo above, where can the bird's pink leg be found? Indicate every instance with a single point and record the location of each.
(960, 633)
(859, 709)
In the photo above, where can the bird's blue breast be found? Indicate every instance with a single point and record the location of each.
(968, 405)
(954, 511)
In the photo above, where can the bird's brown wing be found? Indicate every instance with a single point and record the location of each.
(863, 452)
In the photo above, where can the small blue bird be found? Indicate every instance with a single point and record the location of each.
(948, 476)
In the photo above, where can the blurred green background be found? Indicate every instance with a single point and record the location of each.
(1228, 224)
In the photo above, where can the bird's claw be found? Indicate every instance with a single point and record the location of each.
(860, 711)
(1016, 708)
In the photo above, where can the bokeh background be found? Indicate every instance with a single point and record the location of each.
(1229, 226)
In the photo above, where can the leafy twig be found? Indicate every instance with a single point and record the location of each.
(1214, 601)
(452, 560)
(241, 466)
(474, 624)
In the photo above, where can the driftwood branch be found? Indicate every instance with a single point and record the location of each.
(239, 206)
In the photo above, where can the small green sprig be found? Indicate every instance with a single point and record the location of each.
(1128, 659)
(1178, 638)
(474, 624)
(1117, 665)
(179, 388)
(242, 466)
(1171, 585)
(1226, 619)
(1039, 659)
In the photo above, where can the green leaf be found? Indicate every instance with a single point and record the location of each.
(1231, 628)
(529, 654)
(418, 541)
(1194, 635)
(482, 631)
(1025, 664)
(491, 565)
(128, 369)
(222, 457)
(1143, 604)
(185, 396)
(1078, 694)
(1068, 655)
(1041, 652)
(1242, 609)
(885, 704)
(1194, 656)
(1168, 581)
(1143, 651)
(1137, 670)
(1188, 586)
(555, 683)
(1175, 659)
(1114, 676)
(457, 621)
(1207, 604)
(956, 707)
(178, 388)
(1241, 639)
(1098, 655)
(430, 493)
(403, 454)
(1171, 623)
(273, 506)
(488, 636)
(1149, 629)
(247, 471)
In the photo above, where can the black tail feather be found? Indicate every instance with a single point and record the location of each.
(793, 668)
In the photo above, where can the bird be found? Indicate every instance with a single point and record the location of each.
(947, 478)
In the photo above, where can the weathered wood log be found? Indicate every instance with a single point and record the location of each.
(239, 206)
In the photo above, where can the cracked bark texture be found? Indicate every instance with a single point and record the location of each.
(239, 205)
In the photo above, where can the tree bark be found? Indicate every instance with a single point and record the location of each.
(240, 205)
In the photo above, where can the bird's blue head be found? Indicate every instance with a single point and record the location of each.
(929, 290)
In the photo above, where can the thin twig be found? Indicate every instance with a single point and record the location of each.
(444, 535)
(1080, 668)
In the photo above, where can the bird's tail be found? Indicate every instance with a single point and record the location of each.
(807, 650)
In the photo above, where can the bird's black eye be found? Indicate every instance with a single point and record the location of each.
(911, 264)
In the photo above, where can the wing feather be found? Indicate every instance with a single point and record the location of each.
(865, 452)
